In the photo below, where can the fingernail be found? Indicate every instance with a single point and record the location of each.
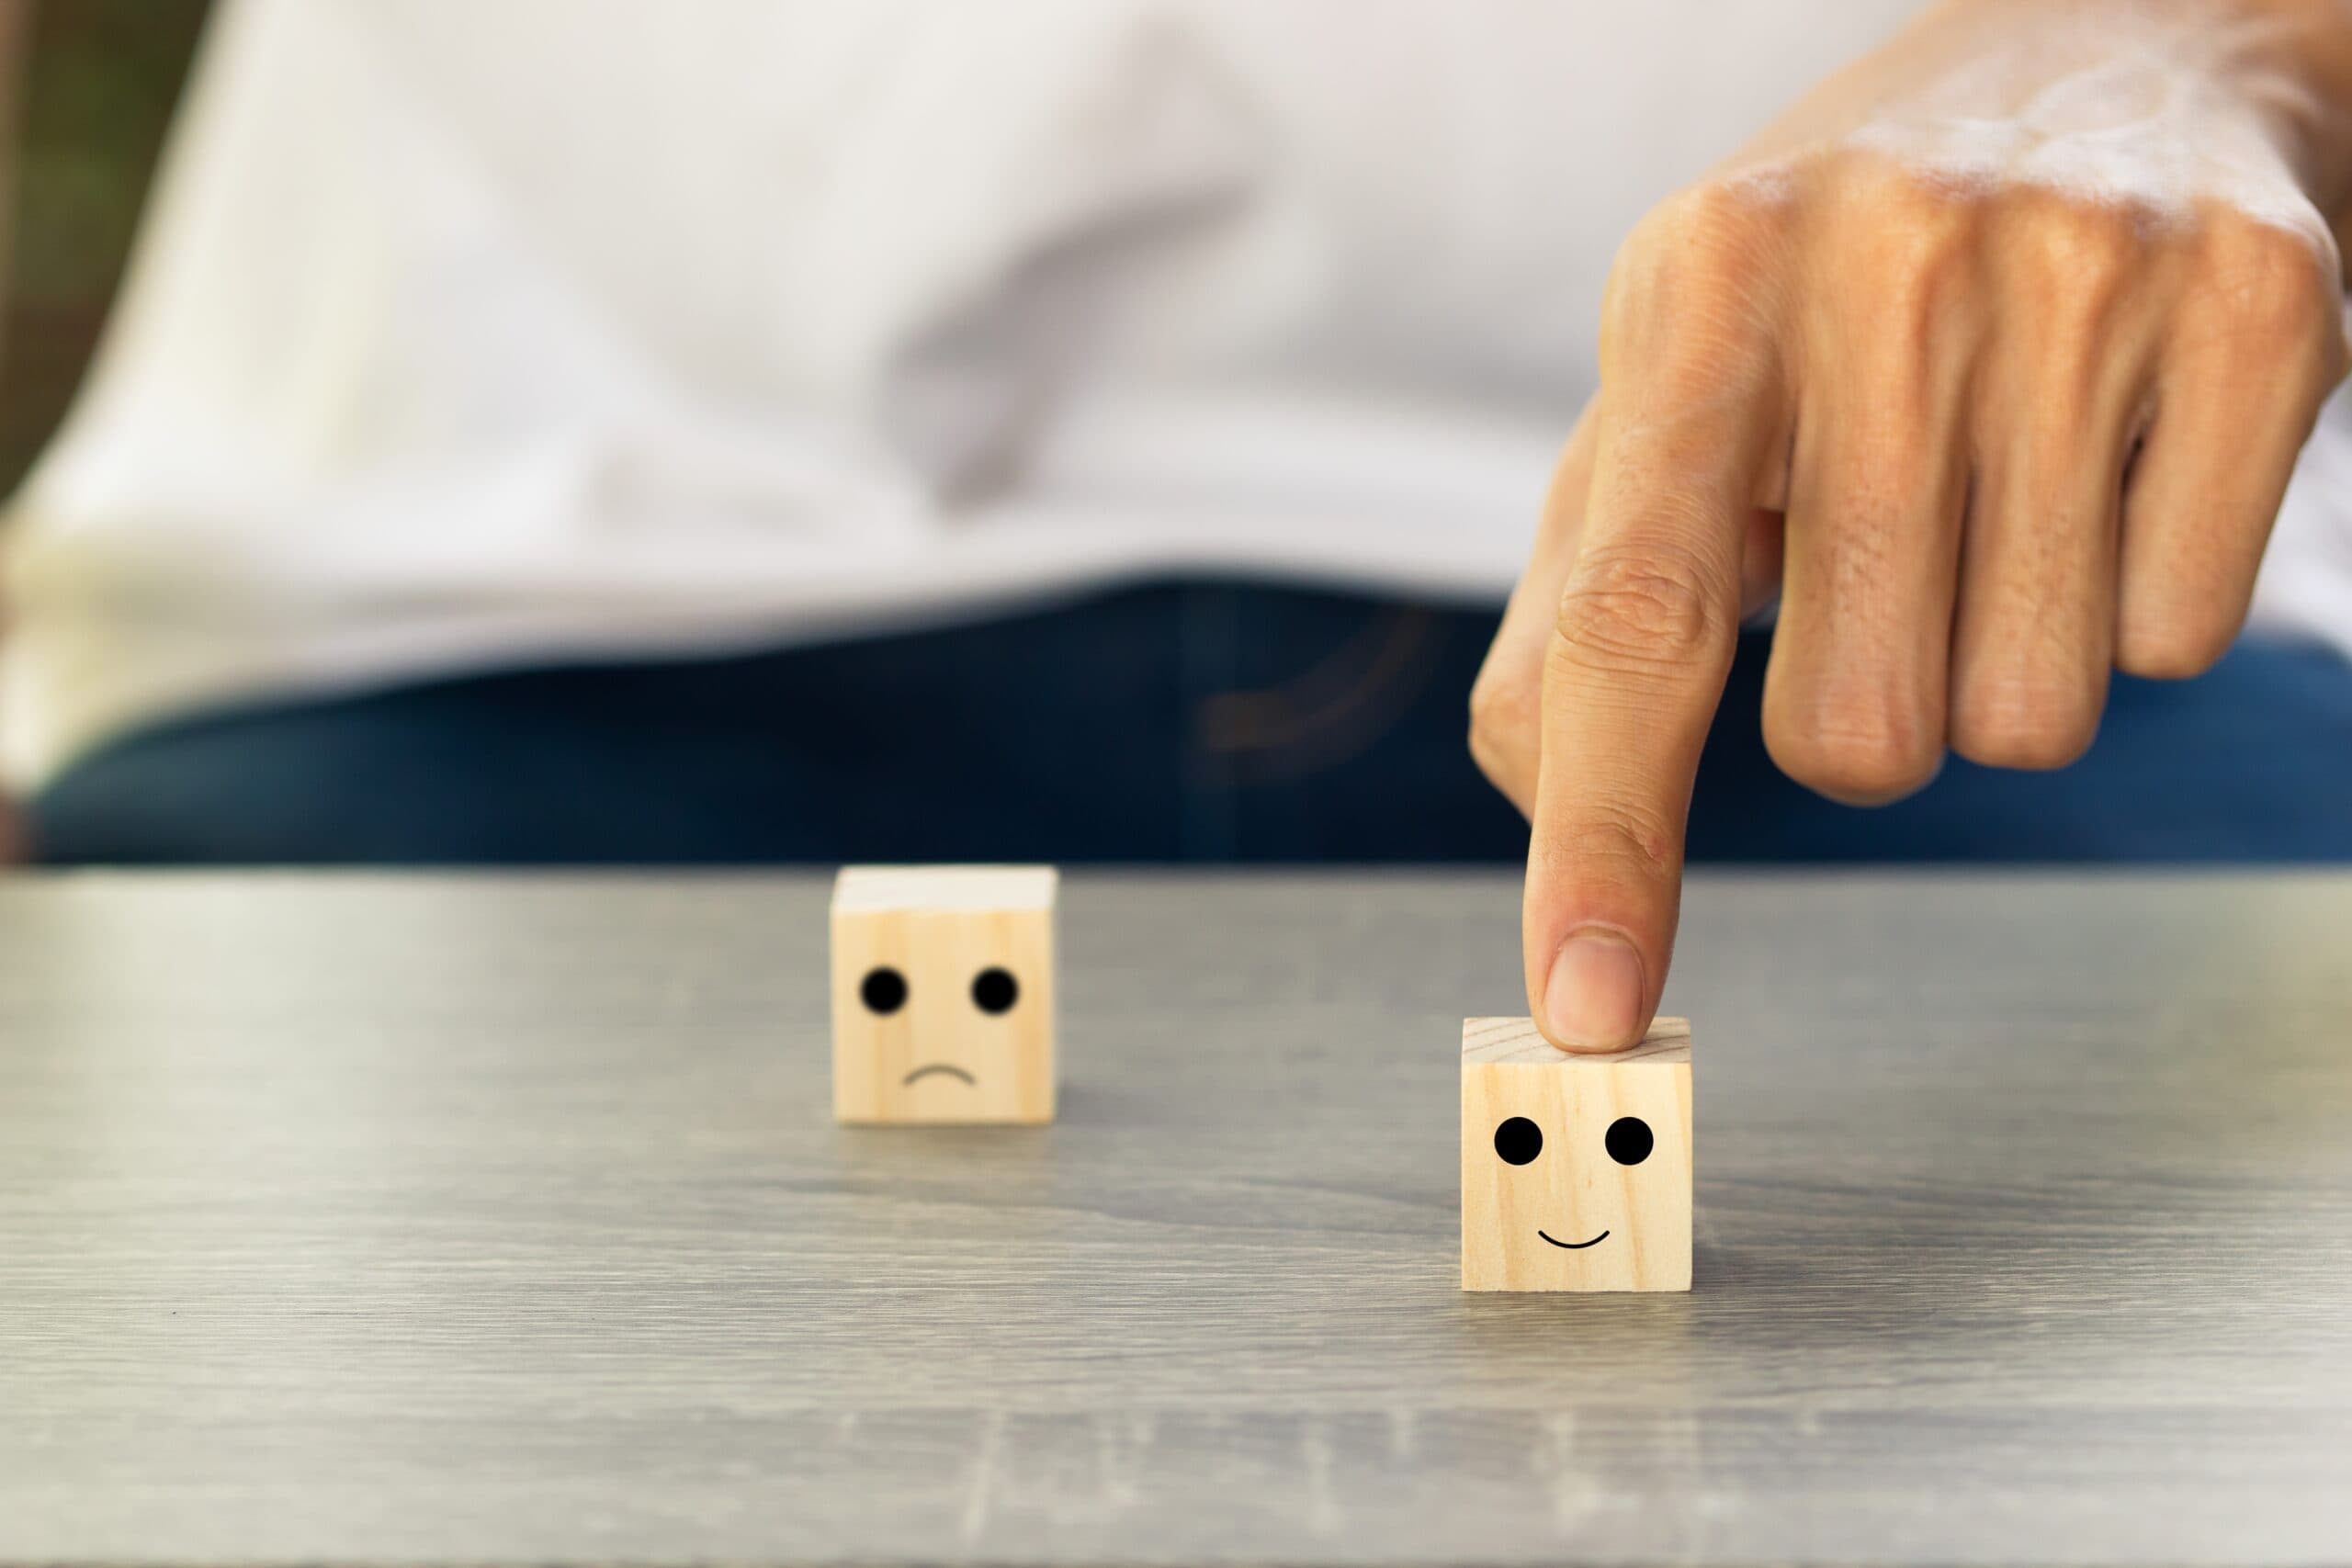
(1593, 1001)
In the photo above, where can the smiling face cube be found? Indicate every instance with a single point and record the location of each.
(943, 994)
(1576, 1169)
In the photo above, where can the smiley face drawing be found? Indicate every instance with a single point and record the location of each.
(1576, 1169)
(943, 994)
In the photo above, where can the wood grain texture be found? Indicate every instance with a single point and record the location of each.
(1558, 1212)
(424, 1221)
(939, 1048)
(1515, 1040)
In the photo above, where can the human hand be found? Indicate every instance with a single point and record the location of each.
(1992, 358)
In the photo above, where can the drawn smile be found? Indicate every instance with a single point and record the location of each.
(1577, 1245)
(950, 1069)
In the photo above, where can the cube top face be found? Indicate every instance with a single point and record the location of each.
(1576, 1169)
(909, 888)
(943, 994)
(1499, 1042)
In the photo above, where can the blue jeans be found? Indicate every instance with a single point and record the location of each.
(1174, 723)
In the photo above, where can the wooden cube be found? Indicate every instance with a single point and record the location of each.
(1576, 1169)
(943, 994)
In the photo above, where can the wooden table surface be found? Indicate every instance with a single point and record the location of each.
(376, 1221)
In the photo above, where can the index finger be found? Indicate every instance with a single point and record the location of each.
(1648, 623)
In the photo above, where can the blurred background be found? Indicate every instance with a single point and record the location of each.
(805, 431)
(95, 84)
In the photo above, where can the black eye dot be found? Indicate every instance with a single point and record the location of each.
(1628, 1140)
(995, 990)
(884, 991)
(1519, 1141)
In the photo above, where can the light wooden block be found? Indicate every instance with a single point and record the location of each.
(943, 994)
(1552, 1198)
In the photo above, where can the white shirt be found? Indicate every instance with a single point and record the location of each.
(474, 333)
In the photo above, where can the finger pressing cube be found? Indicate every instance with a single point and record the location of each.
(1576, 1169)
(943, 994)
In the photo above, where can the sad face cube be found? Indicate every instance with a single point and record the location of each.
(943, 994)
(1576, 1169)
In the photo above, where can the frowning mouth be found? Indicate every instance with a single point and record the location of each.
(925, 1071)
(1577, 1245)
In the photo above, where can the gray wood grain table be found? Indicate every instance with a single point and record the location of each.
(376, 1221)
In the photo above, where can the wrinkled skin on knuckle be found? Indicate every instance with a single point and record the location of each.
(2078, 259)
(2166, 638)
(1918, 287)
(1637, 615)
(1860, 753)
(1506, 720)
(1899, 219)
(1692, 270)
(1714, 230)
(1892, 281)
(2023, 720)
(1622, 843)
(2276, 292)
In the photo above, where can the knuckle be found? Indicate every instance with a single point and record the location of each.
(1502, 707)
(1625, 837)
(1506, 716)
(2165, 639)
(2024, 720)
(2073, 236)
(1692, 259)
(1894, 244)
(1907, 218)
(1626, 613)
(1865, 753)
(1717, 224)
(1900, 250)
(1922, 263)
(2082, 257)
(2273, 285)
